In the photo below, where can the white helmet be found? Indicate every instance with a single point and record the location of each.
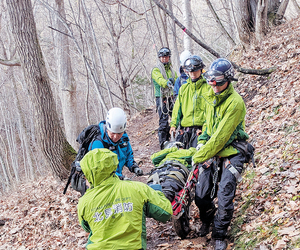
(116, 120)
(183, 56)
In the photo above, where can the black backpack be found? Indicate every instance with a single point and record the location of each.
(171, 175)
(76, 177)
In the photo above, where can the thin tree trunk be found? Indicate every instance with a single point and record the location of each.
(281, 11)
(175, 54)
(23, 134)
(56, 149)
(297, 8)
(66, 79)
(187, 20)
(220, 25)
(261, 19)
(98, 53)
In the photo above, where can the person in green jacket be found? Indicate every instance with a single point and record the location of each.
(189, 108)
(223, 136)
(113, 211)
(163, 77)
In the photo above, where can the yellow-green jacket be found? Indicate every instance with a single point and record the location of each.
(114, 211)
(225, 122)
(189, 108)
(159, 80)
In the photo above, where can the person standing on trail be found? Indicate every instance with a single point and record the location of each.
(113, 137)
(222, 151)
(183, 73)
(163, 77)
(113, 211)
(189, 108)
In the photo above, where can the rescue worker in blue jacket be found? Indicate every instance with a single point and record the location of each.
(183, 73)
(113, 137)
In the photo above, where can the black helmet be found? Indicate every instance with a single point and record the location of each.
(164, 52)
(221, 71)
(194, 63)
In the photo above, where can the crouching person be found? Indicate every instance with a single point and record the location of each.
(224, 150)
(113, 211)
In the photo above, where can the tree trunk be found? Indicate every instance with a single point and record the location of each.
(243, 20)
(261, 19)
(56, 149)
(175, 54)
(187, 21)
(297, 8)
(280, 12)
(66, 79)
(220, 25)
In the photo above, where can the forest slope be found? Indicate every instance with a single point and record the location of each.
(38, 216)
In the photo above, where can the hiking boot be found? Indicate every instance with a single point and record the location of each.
(204, 229)
(220, 245)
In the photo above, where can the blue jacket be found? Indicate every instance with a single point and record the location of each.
(180, 81)
(122, 148)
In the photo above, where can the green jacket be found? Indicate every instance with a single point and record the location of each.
(114, 211)
(189, 108)
(225, 122)
(159, 80)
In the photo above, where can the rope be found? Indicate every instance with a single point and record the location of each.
(167, 91)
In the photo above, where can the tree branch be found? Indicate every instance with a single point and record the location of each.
(210, 50)
(13, 62)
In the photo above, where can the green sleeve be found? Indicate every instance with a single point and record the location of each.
(220, 137)
(158, 78)
(158, 206)
(177, 112)
(82, 222)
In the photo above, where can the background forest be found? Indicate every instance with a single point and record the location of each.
(65, 63)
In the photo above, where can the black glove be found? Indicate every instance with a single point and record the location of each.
(138, 171)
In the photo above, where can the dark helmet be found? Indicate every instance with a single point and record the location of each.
(221, 71)
(164, 52)
(193, 63)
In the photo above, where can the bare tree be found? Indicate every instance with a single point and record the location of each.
(187, 21)
(261, 19)
(297, 8)
(220, 25)
(56, 149)
(66, 78)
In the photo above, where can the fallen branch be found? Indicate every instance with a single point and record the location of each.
(210, 50)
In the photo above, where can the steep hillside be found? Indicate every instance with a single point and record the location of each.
(38, 216)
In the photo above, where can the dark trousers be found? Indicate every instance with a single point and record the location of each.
(188, 136)
(225, 191)
(164, 109)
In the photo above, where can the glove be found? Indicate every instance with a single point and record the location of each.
(170, 83)
(138, 171)
(121, 177)
(199, 146)
(156, 187)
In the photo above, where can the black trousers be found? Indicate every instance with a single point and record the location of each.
(188, 136)
(164, 108)
(225, 191)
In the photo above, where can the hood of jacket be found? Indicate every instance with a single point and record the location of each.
(98, 165)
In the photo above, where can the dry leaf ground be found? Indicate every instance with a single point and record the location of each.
(38, 216)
